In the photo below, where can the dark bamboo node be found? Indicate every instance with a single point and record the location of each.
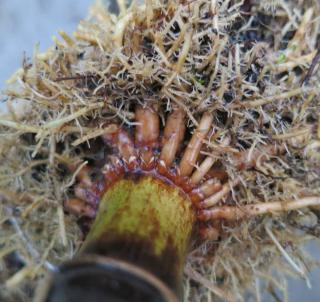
(96, 279)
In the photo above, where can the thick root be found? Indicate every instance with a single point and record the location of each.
(247, 211)
(214, 199)
(210, 187)
(173, 136)
(191, 154)
(147, 132)
(203, 169)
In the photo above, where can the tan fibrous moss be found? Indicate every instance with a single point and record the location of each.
(246, 64)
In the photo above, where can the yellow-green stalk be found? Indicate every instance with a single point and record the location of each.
(142, 223)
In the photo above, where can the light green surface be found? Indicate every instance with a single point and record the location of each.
(147, 209)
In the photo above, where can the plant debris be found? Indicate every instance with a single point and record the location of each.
(244, 62)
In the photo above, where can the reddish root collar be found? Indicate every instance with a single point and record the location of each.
(155, 155)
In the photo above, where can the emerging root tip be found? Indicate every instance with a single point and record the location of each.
(121, 141)
(79, 207)
(84, 176)
(209, 233)
(87, 194)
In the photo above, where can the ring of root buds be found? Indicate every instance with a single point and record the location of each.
(154, 154)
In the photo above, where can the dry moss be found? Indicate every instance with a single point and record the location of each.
(252, 65)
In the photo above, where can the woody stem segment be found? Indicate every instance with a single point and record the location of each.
(142, 230)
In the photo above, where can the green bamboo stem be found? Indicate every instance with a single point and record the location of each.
(146, 224)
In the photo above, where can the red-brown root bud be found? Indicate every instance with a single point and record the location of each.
(124, 144)
(218, 173)
(84, 176)
(87, 195)
(79, 207)
(80, 192)
(209, 233)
